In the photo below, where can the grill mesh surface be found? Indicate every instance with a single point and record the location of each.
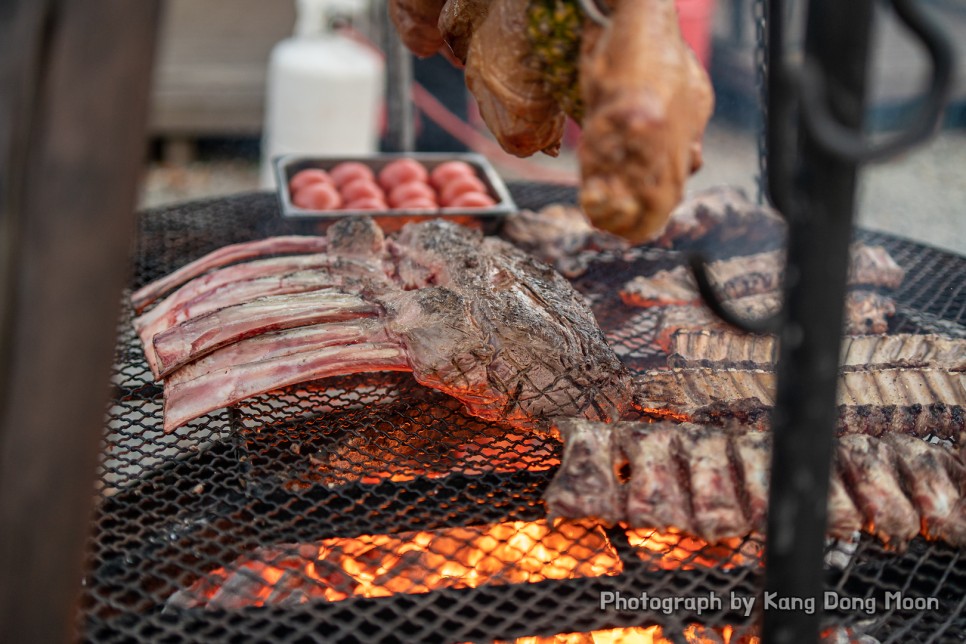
(264, 487)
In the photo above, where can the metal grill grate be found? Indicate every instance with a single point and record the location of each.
(268, 485)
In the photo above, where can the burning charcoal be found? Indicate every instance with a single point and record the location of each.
(657, 493)
(586, 483)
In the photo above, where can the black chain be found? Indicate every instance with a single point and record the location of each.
(761, 72)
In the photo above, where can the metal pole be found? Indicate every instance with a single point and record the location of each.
(819, 207)
(400, 135)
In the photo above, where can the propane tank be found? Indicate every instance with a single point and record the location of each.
(325, 90)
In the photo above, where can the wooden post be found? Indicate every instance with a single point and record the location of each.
(74, 86)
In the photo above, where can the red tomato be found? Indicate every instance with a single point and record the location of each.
(459, 186)
(411, 191)
(366, 203)
(360, 189)
(349, 171)
(472, 200)
(318, 196)
(402, 171)
(446, 172)
(306, 178)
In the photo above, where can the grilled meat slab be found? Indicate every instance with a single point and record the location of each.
(870, 266)
(865, 313)
(473, 317)
(586, 483)
(736, 350)
(713, 483)
(921, 402)
(559, 235)
(722, 217)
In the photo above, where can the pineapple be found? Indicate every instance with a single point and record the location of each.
(554, 28)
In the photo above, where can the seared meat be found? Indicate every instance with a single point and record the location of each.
(586, 483)
(722, 217)
(662, 499)
(921, 402)
(459, 21)
(713, 483)
(514, 100)
(647, 100)
(868, 467)
(935, 481)
(736, 350)
(752, 275)
(473, 317)
(417, 24)
(559, 235)
(715, 500)
(865, 312)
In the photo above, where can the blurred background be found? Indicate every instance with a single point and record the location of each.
(211, 88)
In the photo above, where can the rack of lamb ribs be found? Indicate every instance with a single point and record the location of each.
(473, 317)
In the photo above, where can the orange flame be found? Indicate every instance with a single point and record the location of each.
(675, 550)
(411, 563)
(694, 633)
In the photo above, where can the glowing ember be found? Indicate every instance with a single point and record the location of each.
(411, 563)
(675, 550)
(693, 634)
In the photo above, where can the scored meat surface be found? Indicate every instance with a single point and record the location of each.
(921, 402)
(473, 317)
(736, 350)
(713, 483)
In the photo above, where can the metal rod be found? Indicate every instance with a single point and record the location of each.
(400, 134)
(819, 210)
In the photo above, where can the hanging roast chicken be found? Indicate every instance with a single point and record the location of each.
(636, 87)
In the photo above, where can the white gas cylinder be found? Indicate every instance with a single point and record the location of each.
(325, 91)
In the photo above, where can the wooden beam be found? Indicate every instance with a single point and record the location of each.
(74, 86)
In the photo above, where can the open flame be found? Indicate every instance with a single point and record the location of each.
(676, 550)
(693, 634)
(413, 562)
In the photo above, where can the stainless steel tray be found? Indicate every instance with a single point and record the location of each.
(286, 166)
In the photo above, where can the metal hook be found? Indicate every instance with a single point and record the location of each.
(770, 324)
(844, 142)
(596, 10)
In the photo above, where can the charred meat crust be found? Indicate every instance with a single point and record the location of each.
(473, 317)
(921, 402)
(713, 482)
